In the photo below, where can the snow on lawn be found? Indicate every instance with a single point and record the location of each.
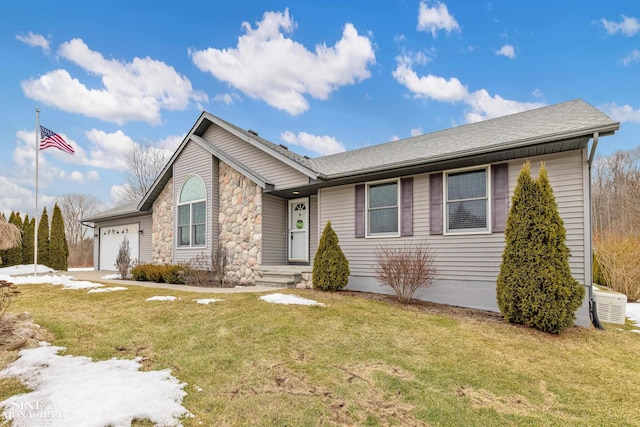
(633, 312)
(289, 299)
(207, 300)
(75, 391)
(162, 298)
(112, 276)
(113, 289)
(67, 282)
(24, 269)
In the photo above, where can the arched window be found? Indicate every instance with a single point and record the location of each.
(192, 213)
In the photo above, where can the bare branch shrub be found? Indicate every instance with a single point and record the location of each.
(619, 255)
(123, 259)
(207, 270)
(406, 268)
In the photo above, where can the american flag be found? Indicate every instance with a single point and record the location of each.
(52, 139)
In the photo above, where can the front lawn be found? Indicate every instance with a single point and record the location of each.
(354, 361)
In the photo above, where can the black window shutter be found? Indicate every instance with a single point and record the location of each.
(360, 210)
(499, 197)
(435, 203)
(406, 214)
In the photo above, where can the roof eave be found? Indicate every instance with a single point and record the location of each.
(603, 130)
(295, 165)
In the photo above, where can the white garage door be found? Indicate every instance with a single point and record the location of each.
(110, 240)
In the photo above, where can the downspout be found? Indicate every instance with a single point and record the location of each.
(592, 303)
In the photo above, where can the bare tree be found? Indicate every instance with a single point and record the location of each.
(74, 207)
(616, 192)
(144, 164)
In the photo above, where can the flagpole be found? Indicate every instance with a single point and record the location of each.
(35, 237)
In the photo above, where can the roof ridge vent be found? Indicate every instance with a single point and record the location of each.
(252, 132)
(284, 146)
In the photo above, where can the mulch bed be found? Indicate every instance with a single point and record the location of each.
(432, 307)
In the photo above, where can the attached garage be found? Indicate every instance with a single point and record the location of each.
(111, 227)
(111, 237)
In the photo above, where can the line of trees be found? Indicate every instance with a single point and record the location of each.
(616, 221)
(53, 250)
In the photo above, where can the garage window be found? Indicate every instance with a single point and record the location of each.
(192, 213)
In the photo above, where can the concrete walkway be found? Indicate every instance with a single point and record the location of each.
(96, 276)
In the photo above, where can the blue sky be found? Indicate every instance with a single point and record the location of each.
(319, 77)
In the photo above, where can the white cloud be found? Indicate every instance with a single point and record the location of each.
(537, 93)
(633, 56)
(507, 50)
(268, 65)
(483, 105)
(15, 197)
(93, 175)
(436, 18)
(120, 194)
(628, 26)
(621, 113)
(416, 131)
(437, 88)
(77, 177)
(399, 38)
(225, 98)
(136, 90)
(35, 40)
(322, 145)
(395, 138)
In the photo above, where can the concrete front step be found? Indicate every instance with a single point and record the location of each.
(277, 282)
(284, 275)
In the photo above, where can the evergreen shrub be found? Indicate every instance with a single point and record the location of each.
(330, 265)
(535, 286)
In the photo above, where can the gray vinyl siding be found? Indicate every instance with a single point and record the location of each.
(273, 170)
(195, 160)
(274, 230)
(471, 257)
(313, 227)
(144, 242)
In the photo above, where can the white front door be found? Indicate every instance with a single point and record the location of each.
(298, 230)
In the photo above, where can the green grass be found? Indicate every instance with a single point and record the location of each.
(353, 362)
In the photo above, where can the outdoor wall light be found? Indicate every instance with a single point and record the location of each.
(140, 231)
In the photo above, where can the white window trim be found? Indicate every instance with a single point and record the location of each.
(445, 202)
(191, 203)
(366, 209)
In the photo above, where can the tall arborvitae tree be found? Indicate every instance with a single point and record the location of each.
(43, 238)
(330, 265)
(14, 255)
(28, 229)
(58, 248)
(535, 286)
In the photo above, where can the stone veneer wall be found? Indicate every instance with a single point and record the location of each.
(162, 230)
(240, 221)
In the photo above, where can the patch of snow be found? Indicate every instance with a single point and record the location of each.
(67, 282)
(80, 269)
(197, 388)
(71, 391)
(207, 300)
(289, 299)
(113, 289)
(633, 312)
(25, 269)
(163, 298)
(111, 276)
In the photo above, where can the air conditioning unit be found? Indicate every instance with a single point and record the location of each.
(611, 306)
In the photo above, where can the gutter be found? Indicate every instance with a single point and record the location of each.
(593, 312)
(601, 130)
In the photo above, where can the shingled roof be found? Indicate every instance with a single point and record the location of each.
(570, 119)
